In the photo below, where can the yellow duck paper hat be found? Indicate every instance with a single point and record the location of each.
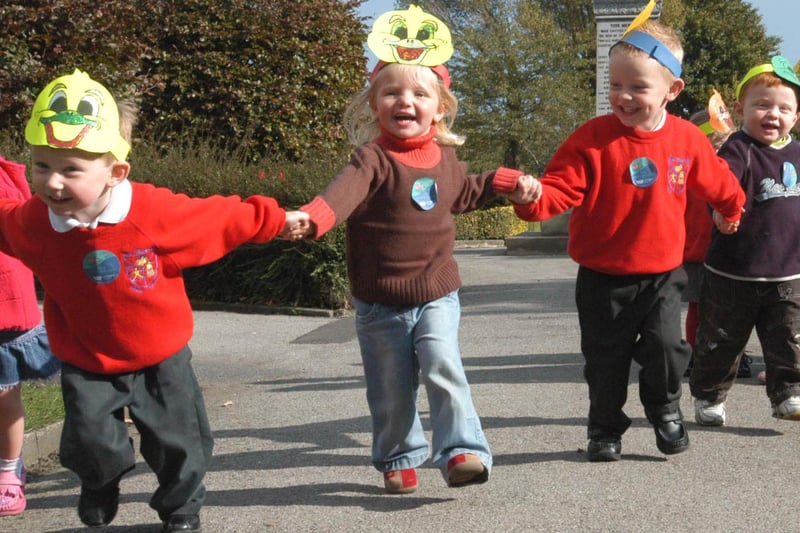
(649, 44)
(74, 111)
(411, 37)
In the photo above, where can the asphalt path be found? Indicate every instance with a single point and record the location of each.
(285, 395)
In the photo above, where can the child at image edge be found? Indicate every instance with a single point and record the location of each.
(752, 278)
(24, 352)
(626, 174)
(109, 253)
(398, 194)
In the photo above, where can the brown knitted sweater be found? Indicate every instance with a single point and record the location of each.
(399, 253)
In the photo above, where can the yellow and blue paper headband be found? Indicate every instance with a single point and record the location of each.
(74, 111)
(649, 44)
(778, 65)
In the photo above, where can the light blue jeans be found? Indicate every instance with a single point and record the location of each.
(398, 345)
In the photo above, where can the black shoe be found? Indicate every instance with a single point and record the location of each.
(671, 436)
(98, 507)
(181, 522)
(604, 449)
(744, 366)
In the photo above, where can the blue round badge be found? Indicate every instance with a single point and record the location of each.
(643, 172)
(424, 193)
(789, 175)
(101, 266)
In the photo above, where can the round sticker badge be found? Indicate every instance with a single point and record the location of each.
(101, 266)
(643, 172)
(789, 175)
(424, 193)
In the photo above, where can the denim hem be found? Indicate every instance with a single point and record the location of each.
(401, 463)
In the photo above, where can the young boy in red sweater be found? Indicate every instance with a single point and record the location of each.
(109, 253)
(626, 174)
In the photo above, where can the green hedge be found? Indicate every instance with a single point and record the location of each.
(493, 223)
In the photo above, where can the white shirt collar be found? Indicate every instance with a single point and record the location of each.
(115, 212)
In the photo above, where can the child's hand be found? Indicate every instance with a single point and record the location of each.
(528, 190)
(297, 226)
(725, 227)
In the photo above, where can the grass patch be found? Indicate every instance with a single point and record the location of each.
(43, 403)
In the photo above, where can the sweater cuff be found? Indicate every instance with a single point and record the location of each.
(505, 180)
(321, 215)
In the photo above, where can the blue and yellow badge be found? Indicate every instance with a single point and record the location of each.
(643, 172)
(101, 266)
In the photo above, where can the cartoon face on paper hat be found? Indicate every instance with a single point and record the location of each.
(74, 111)
(411, 37)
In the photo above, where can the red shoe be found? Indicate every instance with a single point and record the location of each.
(400, 481)
(466, 469)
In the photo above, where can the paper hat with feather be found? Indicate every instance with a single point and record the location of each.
(649, 44)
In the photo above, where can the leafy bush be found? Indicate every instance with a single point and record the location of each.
(493, 223)
(272, 76)
(281, 273)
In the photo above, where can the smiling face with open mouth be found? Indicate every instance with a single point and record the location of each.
(639, 88)
(406, 101)
(767, 111)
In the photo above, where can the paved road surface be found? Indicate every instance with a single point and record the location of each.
(285, 395)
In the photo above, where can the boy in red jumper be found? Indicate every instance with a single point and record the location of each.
(626, 174)
(109, 253)
(24, 352)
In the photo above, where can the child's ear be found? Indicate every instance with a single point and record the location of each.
(738, 110)
(119, 172)
(675, 89)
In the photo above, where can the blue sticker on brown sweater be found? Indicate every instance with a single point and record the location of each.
(424, 193)
(643, 172)
(789, 174)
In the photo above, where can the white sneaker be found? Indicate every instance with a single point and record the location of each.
(788, 409)
(709, 413)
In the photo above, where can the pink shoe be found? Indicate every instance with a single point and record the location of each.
(762, 377)
(12, 493)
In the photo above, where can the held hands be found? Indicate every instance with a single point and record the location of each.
(725, 227)
(528, 190)
(297, 226)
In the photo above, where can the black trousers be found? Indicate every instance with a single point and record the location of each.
(166, 406)
(729, 310)
(625, 319)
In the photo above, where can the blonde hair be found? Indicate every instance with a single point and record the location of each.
(362, 125)
(128, 117)
(664, 34)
